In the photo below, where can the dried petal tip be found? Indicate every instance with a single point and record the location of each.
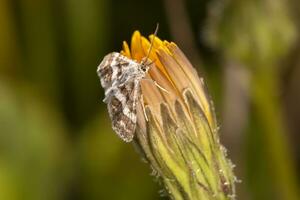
(179, 138)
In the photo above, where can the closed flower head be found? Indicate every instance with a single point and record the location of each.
(176, 127)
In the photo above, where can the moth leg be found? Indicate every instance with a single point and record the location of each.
(144, 110)
(157, 85)
(108, 94)
(160, 87)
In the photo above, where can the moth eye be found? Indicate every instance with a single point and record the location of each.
(144, 68)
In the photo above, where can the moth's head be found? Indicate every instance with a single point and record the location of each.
(145, 68)
(146, 64)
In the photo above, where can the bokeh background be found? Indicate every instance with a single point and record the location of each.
(56, 141)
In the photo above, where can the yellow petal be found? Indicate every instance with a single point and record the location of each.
(126, 50)
(137, 52)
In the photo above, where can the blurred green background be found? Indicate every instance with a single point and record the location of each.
(56, 140)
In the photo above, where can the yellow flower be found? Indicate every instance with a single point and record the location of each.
(179, 137)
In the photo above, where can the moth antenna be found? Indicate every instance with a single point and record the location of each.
(152, 41)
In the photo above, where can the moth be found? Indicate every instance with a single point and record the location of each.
(120, 77)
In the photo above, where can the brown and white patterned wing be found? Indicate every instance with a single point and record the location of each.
(105, 69)
(122, 109)
(120, 77)
(112, 67)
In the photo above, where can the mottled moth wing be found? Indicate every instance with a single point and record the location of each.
(122, 109)
(120, 78)
(112, 67)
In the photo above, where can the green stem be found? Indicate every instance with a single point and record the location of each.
(267, 105)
